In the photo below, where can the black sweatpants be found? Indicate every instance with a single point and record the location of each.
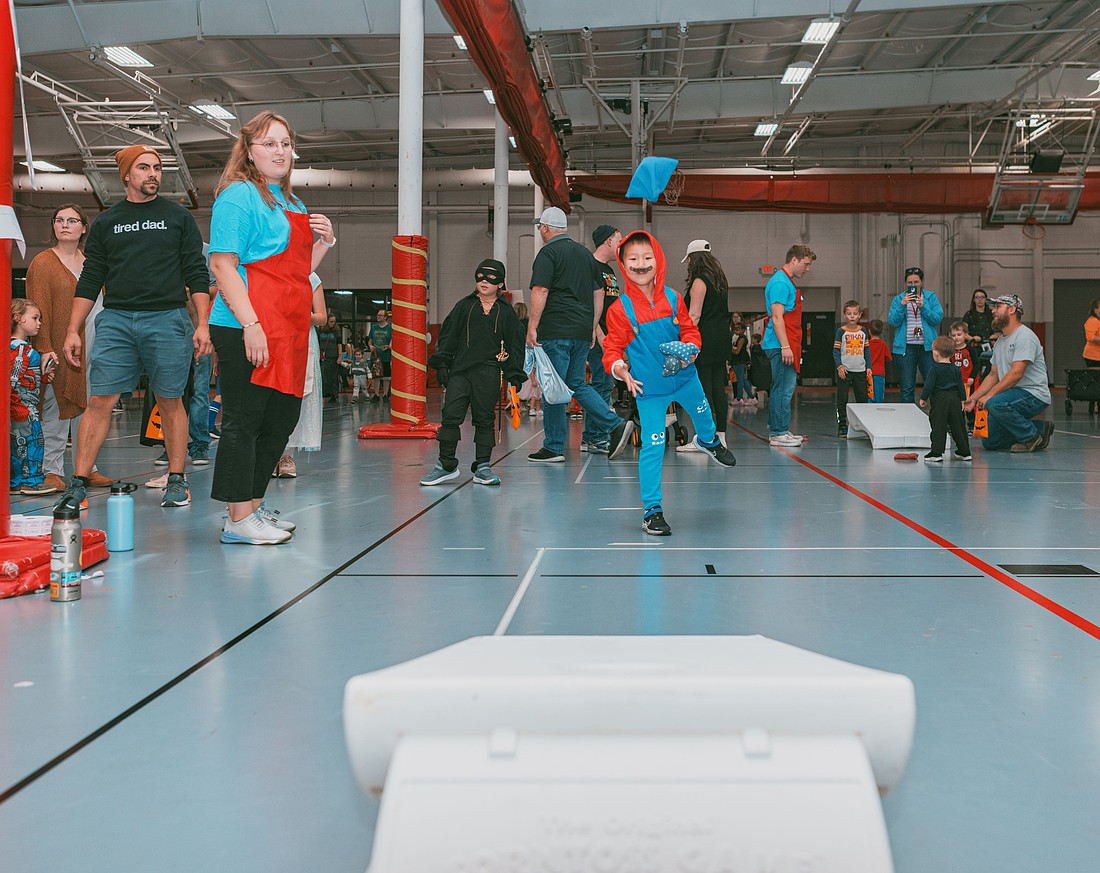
(858, 383)
(715, 378)
(475, 390)
(256, 424)
(945, 413)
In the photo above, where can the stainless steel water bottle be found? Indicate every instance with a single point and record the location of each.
(66, 548)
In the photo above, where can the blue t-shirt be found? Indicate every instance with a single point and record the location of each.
(243, 225)
(780, 289)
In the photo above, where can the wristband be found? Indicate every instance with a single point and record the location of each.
(785, 348)
(250, 324)
(328, 245)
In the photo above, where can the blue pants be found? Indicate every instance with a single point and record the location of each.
(741, 388)
(1010, 414)
(568, 357)
(603, 383)
(651, 415)
(784, 379)
(915, 356)
(198, 413)
(879, 384)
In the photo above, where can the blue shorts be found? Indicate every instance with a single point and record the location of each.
(161, 343)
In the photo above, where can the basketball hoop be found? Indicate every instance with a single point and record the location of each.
(1032, 229)
(674, 188)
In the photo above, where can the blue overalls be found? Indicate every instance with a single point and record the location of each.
(659, 390)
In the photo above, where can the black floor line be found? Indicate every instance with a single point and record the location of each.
(11, 791)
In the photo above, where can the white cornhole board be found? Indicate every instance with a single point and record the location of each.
(629, 754)
(889, 425)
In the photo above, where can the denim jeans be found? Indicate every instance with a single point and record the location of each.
(1010, 414)
(198, 414)
(784, 379)
(741, 388)
(879, 393)
(603, 383)
(915, 357)
(568, 357)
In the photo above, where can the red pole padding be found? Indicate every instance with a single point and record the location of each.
(409, 383)
(7, 116)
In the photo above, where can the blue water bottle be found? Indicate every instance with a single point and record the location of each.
(120, 517)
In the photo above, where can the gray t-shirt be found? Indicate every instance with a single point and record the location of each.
(1023, 345)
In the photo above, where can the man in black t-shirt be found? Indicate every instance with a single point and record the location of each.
(329, 337)
(145, 252)
(606, 239)
(567, 286)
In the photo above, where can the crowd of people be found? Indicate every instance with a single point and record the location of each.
(137, 293)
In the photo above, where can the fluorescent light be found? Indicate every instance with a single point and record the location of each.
(125, 56)
(44, 166)
(488, 92)
(512, 140)
(342, 293)
(766, 128)
(460, 42)
(214, 110)
(796, 74)
(821, 30)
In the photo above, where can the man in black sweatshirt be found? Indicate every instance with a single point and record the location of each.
(145, 253)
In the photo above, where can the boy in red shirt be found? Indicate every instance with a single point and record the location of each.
(963, 359)
(880, 354)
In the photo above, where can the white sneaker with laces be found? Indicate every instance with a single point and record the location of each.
(786, 440)
(252, 530)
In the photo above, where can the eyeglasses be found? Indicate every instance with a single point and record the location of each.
(272, 146)
(68, 221)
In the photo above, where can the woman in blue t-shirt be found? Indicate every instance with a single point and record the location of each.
(263, 246)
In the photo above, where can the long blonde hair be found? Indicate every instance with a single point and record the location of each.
(240, 169)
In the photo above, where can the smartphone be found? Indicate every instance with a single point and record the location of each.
(48, 366)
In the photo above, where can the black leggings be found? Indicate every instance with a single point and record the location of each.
(256, 424)
(714, 378)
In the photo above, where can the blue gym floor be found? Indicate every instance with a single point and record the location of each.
(186, 713)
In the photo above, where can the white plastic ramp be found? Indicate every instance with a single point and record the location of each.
(889, 425)
(629, 753)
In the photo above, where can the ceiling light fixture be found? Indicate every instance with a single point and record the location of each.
(512, 141)
(766, 128)
(797, 74)
(488, 92)
(214, 110)
(125, 56)
(820, 31)
(460, 42)
(44, 166)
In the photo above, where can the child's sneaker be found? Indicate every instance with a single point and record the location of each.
(655, 524)
(717, 452)
(961, 457)
(483, 475)
(933, 459)
(439, 475)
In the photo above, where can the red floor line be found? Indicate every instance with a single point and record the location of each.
(990, 570)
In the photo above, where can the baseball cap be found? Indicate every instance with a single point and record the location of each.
(696, 245)
(602, 234)
(1008, 300)
(553, 217)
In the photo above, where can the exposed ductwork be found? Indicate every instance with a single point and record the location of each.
(498, 45)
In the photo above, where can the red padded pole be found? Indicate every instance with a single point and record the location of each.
(7, 116)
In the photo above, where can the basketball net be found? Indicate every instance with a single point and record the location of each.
(674, 188)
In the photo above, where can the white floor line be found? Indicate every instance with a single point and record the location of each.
(620, 509)
(464, 548)
(580, 475)
(629, 478)
(510, 612)
(1091, 436)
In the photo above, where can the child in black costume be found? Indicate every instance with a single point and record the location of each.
(480, 345)
(943, 395)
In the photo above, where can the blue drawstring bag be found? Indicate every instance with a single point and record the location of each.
(554, 389)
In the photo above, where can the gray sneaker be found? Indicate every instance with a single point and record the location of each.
(162, 461)
(176, 492)
(77, 493)
(200, 455)
(439, 475)
(483, 475)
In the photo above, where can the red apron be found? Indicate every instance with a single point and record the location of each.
(280, 292)
(792, 322)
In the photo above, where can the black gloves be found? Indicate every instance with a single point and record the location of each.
(443, 374)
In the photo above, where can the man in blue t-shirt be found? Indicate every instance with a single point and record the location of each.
(381, 339)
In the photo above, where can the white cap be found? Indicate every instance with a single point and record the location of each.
(553, 217)
(696, 245)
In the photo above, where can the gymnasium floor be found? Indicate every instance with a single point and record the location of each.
(186, 713)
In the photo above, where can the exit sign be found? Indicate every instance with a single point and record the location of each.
(767, 270)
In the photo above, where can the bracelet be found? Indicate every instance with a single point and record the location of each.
(250, 324)
(328, 245)
(785, 348)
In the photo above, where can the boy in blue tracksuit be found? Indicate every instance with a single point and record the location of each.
(641, 325)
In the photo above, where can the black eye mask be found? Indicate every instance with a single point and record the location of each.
(487, 277)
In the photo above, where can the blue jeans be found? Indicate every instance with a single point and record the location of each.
(914, 356)
(741, 388)
(603, 383)
(198, 413)
(568, 357)
(879, 385)
(1010, 414)
(784, 379)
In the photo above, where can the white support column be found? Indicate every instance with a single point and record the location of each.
(539, 206)
(500, 192)
(410, 162)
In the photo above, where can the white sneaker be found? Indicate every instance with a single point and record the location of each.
(687, 447)
(271, 517)
(786, 440)
(160, 482)
(252, 530)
